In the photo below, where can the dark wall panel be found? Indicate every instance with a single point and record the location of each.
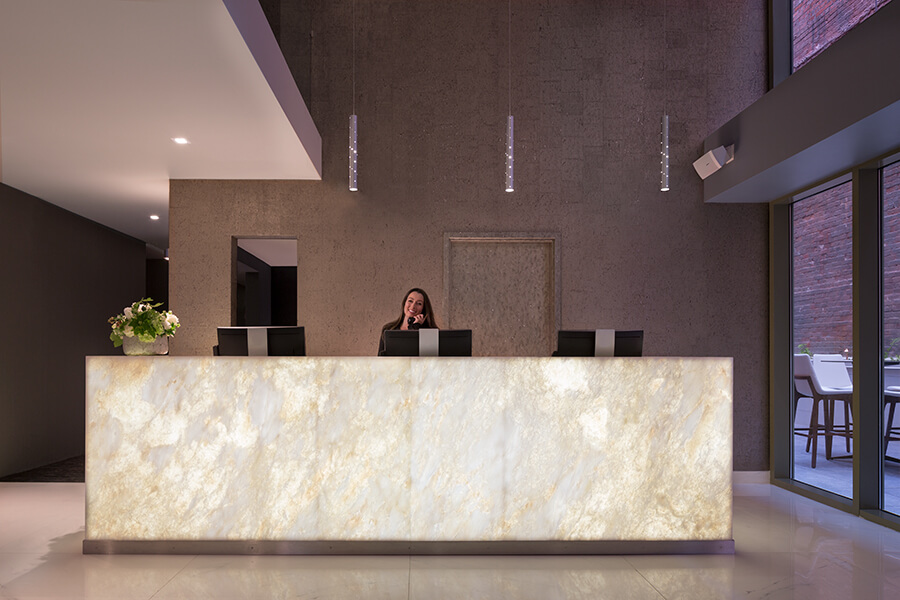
(284, 295)
(254, 291)
(158, 281)
(64, 276)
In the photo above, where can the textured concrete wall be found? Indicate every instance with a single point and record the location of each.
(505, 291)
(590, 82)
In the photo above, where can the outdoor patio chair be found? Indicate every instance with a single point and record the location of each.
(831, 369)
(891, 432)
(808, 385)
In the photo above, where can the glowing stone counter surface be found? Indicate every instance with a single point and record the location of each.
(408, 455)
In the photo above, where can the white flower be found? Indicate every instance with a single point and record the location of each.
(152, 324)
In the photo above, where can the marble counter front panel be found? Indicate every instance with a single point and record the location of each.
(408, 449)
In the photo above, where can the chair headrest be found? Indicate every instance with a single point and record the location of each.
(828, 357)
(802, 366)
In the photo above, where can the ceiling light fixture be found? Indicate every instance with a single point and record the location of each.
(353, 149)
(509, 118)
(180, 141)
(664, 155)
(154, 217)
(354, 154)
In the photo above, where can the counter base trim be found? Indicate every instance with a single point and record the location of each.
(323, 547)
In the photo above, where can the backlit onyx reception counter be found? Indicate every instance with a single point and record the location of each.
(408, 455)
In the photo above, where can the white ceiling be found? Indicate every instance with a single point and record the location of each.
(92, 91)
(273, 252)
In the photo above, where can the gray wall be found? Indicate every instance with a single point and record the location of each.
(590, 82)
(64, 276)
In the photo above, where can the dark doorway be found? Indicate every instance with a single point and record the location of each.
(266, 282)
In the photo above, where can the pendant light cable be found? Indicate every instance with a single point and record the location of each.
(509, 118)
(353, 149)
(664, 124)
(353, 57)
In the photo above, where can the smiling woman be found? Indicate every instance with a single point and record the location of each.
(415, 313)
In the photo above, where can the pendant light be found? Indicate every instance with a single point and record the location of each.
(664, 155)
(664, 125)
(354, 186)
(509, 118)
(353, 149)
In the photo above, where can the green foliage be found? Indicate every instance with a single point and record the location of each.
(804, 349)
(892, 350)
(143, 321)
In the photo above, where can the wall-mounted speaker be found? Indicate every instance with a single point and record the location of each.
(713, 160)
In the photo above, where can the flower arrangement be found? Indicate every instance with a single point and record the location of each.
(143, 321)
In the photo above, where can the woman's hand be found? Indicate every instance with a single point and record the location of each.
(420, 319)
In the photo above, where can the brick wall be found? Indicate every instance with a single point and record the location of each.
(823, 270)
(891, 264)
(823, 267)
(819, 23)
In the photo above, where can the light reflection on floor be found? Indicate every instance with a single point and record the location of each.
(786, 547)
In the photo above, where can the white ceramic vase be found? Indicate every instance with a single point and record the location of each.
(135, 347)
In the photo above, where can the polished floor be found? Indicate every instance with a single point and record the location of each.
(787, 547)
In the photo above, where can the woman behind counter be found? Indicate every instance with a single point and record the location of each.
(416, 312)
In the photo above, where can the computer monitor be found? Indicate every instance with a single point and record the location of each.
(286, 341)
(261, 341)
(455, 342)
(451, 342)
(581, 343)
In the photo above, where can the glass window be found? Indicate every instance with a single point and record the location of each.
(819, 23)
(822, 339)
(890, 186)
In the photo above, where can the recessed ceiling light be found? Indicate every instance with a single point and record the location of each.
(154, 217)
(180, 141)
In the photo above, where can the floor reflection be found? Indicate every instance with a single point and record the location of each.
(786, 547)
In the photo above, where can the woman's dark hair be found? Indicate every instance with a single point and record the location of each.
(430, 321)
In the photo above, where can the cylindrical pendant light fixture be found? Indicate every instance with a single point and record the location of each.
(509, 118)
(664, 155)
(353, 154)
(353, 157)
(509, 154)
